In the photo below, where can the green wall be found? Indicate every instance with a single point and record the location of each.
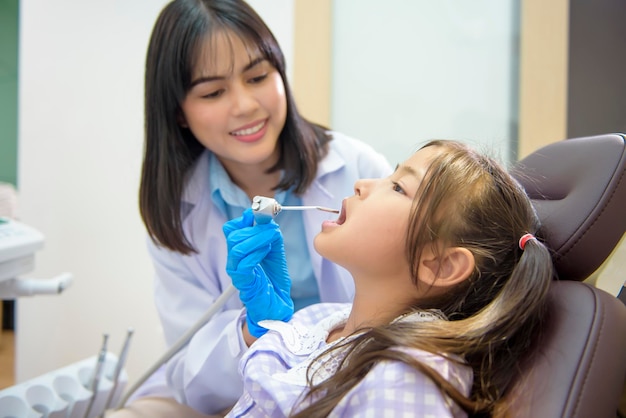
(8, 90)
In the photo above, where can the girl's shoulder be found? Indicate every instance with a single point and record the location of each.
(395, 388)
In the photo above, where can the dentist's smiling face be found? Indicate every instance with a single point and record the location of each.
(369, 237)
(236, 106)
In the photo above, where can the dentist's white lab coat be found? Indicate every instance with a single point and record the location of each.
(204, 374)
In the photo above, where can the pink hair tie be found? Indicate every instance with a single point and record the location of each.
(524, 239)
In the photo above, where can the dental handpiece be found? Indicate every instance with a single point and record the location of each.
(119, 365)
(266, 208)
(94, 382)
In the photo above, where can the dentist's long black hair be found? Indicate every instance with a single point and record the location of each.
(493, 317)
(170, 150)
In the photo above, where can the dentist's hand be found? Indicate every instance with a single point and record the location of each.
(257, 265)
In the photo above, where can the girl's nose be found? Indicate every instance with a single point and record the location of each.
(362, 186)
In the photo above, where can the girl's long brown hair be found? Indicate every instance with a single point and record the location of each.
(466, 200)
(170, 150)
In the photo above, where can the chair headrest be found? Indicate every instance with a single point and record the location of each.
(578, 187)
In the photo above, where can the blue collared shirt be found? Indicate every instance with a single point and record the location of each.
(232, 201)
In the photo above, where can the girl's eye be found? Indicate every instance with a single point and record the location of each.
(214, 95)
(397, 188)
(256, 80)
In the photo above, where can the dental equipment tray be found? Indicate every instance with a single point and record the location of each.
(18, 244)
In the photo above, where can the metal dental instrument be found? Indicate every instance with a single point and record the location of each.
(97, 374)
(118, 368)
(267, 208)
(322, 208)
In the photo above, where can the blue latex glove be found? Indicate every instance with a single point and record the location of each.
(258, 267)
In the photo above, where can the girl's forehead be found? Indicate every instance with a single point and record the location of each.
(423, 157)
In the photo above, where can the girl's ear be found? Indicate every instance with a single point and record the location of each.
(451, 266)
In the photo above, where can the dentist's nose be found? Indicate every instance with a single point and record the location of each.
(244, 101)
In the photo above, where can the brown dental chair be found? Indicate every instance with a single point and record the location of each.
(578, 187)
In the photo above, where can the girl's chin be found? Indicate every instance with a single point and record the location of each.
(322, 243)
(329, 225)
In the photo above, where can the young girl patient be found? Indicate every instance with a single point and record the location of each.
(451, 289)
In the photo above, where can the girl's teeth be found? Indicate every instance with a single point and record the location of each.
(250, 131)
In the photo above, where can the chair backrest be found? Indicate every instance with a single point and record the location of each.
(578, 187)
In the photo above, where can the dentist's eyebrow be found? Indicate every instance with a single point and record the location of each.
(207, 79)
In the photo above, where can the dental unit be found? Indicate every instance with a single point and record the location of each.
(76, 391)
(18, 244)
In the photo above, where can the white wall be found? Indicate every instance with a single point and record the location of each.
(279, 16)
(80, 143)
(408, 71)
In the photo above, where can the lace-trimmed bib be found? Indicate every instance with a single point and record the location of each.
(312, 342)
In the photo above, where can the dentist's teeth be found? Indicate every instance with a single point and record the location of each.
(249, 131)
